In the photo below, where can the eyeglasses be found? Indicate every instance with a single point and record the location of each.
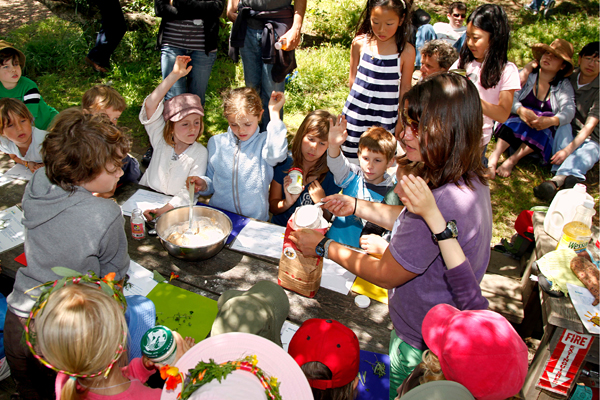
(591, 60)
(459, 15)
(408, 122)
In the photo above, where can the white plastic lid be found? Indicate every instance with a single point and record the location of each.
(580, 187)
(362, 301)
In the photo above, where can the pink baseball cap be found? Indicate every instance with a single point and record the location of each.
(330, 343)
(478, 349)
(179, 107)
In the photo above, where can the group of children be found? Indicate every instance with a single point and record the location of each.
(81, 155)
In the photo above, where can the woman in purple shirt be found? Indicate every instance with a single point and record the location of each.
(442, 122)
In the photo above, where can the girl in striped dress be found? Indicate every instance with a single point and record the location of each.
(381, 67)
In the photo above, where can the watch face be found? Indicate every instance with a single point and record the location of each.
(453, 228)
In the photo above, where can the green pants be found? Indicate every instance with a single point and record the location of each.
(403, 359)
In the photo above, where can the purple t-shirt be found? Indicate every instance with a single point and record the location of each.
(413, 247)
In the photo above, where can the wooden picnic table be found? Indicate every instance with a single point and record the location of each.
(229, 269)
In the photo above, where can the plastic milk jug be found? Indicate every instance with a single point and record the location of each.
(563, 209)
(577, 233)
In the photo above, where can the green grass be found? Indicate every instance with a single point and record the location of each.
(55, 51)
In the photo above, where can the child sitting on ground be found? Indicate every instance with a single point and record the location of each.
(66, 225)
(104, 99)
(309, 153)
(16, 86)
(173, 127)
(82, 335)
(18, 137)
(329, 355)
(241, 161)
(369, 181)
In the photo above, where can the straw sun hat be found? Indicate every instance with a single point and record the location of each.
(560, 48)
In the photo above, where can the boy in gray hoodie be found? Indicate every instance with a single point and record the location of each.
(65, 225)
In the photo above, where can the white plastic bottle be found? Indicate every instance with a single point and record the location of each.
(138, 229)
(563, 209)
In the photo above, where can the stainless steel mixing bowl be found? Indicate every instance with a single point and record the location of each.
(180, 214)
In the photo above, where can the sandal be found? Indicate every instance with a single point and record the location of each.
(545, 191)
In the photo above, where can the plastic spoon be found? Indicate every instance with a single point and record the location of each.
(189, 231)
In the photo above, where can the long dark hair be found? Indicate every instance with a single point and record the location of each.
(448, 109)
(492, 19)
(400, 7)
(316, 123)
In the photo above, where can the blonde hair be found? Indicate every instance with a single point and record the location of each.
(15, 107)
(316, 124)
(102, 97)
(242, 101)
(80, 330)
(378, 140)
(432, 370)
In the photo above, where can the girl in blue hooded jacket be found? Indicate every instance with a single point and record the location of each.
(241, 160)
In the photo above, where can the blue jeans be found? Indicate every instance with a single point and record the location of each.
(536, 4)
(258, 74)
(197, 80)
(580, 161)
(425, 33)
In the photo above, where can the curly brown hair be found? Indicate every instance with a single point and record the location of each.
(315, 124)
(79, 146)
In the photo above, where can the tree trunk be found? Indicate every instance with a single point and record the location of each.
(75, 11)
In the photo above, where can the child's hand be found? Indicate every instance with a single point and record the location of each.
(149, 365)
(157, 212)
(276, 102)
(183, 345)
(316, 191)
(180, 67)
(290, 199)
(33, 166)
(337, 131)
(418, 198)
(199, 182)
(373, 244)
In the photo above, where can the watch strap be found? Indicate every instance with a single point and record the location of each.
(326, 248)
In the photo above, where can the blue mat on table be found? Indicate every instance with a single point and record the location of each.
(238, 221)
(375, 388)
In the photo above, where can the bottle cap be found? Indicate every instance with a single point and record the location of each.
(362, 301)
(157, 343)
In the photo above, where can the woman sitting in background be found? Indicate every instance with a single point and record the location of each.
(545, 102)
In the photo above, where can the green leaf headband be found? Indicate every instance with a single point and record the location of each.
(71, 277)
(204, 373)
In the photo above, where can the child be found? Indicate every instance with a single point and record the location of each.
(80, 317)
(374, 239)
(15, 86)
(173, 127)
(381, 67)
(478, 349)
(329, 355)
(309, 154)
(104, 99)
(66, 225)
(19, 139)
(485, 59)
(241, 161)
(369, 182)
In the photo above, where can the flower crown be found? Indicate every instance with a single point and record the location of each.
(204, 373)
(71, 277)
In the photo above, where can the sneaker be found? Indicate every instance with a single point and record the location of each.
(545, 191)
(571, 181)
(147, 157)
(97, 67)
(548, 8)
(531, 9)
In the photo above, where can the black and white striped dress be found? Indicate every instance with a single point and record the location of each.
(373, 99)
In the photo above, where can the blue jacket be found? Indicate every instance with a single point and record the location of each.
(238, 174)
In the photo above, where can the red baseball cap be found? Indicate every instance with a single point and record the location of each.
(478, 349)
(330, 343)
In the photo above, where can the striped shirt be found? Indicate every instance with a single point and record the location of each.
(185, 34)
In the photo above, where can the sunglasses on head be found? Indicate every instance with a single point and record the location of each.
(459, 15)
(408, 122)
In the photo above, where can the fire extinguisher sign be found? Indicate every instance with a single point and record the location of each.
(565, 361)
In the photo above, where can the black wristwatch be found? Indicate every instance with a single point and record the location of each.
(451, 231)
(322, 247)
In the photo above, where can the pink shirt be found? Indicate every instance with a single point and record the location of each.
(508, 81)
(135, 371)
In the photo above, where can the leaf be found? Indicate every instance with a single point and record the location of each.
(106, 289)
(64, 271)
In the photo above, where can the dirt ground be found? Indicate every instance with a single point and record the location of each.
(14, 13)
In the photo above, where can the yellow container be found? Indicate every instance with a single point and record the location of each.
(576, 236)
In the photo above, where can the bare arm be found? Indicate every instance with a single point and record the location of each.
(180, 69)
(501, 111)
(407, 66)
(281, 201)
(232, 9)
(293, 35)
(380, 214)
(560, 156)
(355, 50)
